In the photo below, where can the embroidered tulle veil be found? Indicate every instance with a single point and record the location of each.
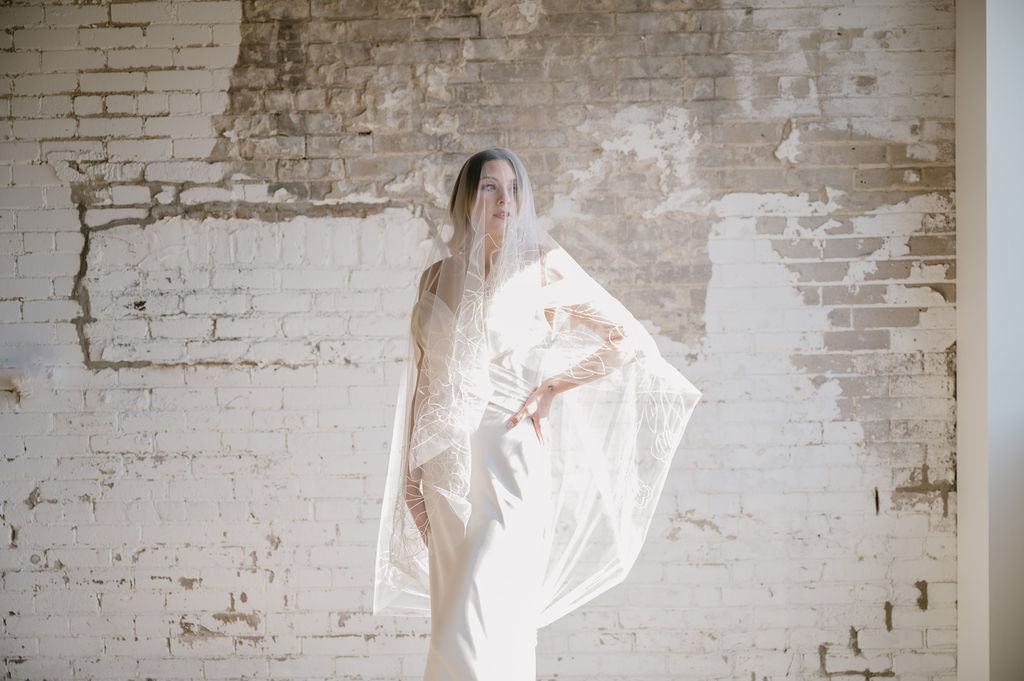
(611, 438)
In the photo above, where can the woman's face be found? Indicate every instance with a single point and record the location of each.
(496, 197)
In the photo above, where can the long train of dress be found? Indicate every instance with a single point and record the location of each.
(485, 580)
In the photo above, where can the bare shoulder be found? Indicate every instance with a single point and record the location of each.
(430, 277)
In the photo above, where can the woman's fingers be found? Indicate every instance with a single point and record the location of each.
(536, 408)
(538, 429)
(522, 413)
(515, 418)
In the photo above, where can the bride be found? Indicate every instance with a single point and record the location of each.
(535, 427)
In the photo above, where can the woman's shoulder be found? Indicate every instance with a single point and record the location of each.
(442, 280)
(431, 276)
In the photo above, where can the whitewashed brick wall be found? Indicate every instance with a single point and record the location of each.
(210, 226)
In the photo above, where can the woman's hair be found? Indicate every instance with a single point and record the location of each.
(464, 192)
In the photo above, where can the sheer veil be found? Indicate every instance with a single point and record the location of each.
(611, 438)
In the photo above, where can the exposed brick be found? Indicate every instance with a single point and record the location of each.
(861, 295)
(112, 82)
(190, 80)
(178, 126)
(45, 83)
(825, 271)
(42, 264)
(122, 126)
(25, 107)
(174, 35)
(577, 23)
(88, 104)
(24, 62)
(120, 104)
(106, 38)
(252, 253)
(44, 127)
(76, 16)
(19, 151)
(138, 58)
(342, 9)
(211, 12)
(448, 27)
(21, 16)
(856, 340)
(45, 38)
(866, 318)
(21, 197)
(139, 150)
(652, 22)
(153, 104)
(141, 12)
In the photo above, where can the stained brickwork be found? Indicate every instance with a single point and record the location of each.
(211, 219)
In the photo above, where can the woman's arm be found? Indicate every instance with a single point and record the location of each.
(612, 354)
(413, 488)
(609, 357)
(558, 269)
(614, 351)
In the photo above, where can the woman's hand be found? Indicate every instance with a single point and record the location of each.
(537, 406)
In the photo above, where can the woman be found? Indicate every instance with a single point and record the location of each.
(534, 430)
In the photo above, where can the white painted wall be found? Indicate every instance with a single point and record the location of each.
(1005, 149)
(205, 507)
(972, 367)
(990, 322)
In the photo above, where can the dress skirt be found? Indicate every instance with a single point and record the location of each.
(485, 579)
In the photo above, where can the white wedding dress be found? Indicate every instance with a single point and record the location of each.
(521, 533)
(486, 579)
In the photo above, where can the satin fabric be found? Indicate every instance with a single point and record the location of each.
(486, 580)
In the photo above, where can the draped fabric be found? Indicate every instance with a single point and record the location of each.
(502, 309)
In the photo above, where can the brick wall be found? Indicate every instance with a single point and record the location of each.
(211, 222)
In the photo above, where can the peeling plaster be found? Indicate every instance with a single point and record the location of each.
(667, 138)
(732, 358)
(923, 490)
(425, 180)
(788, 150)
(508, 17)
(250, 619)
